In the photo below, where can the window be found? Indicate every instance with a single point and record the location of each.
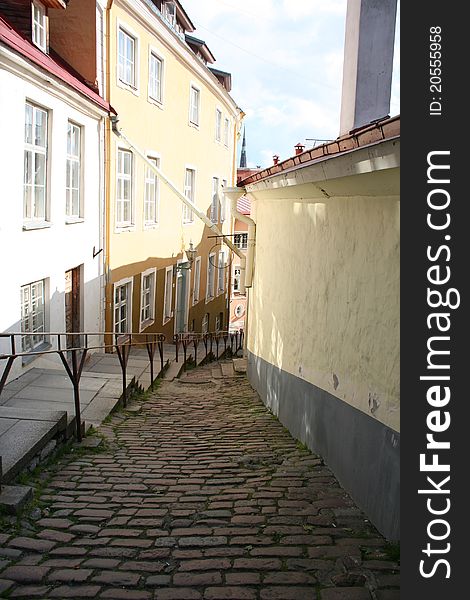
(227, 133)
(197, 279)
(240, 240)
(152, 192)
(35, 163)
(33, 316)
(156, 78)
(218, 325)
(210, 277)
(215, 200)
(239, 310)
(167, 312)
(218, 125)
(127, 58)
(123, 306)
(223, 201)
(194, 105)
(205, 323)
(124, 189)
(73, 174)
(190, 177)
(221, 272)
(169, 12)
(236, 279)
(39, 30)
(147, 298)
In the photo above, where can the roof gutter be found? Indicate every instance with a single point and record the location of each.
(202, 216)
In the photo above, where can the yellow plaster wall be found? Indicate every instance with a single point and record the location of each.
(167, 132)
(325, 299)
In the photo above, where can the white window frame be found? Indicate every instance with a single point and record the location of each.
(147, 297)
(170, 17)
(39, 32)
(214, 215)
(129, 283)
(218, 125)
(221, 272)
(190, 193)
(236, 280)
(149, 181)
(194, 115)
(153, 97)
(132, 86)
(121, 224)
(197, 280)
(226, 133)
(223, 201)
(210, 293)
(34, 150)
(168, 295)
(205, 323)
(72, 159)
(239, 242)
(29, 343)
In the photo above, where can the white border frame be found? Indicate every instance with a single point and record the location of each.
(159, 103)
(131, 227)
(132, 33)
(144, 324)
(147, 226)
(196, 86)
(166, 318)
(119, 283)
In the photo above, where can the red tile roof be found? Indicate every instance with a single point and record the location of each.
(387, 129)
(17, 42)
(244, 205)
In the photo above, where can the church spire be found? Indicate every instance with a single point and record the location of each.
(243, 154)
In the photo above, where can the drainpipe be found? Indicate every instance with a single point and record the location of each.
(234, 194)
(202, 216)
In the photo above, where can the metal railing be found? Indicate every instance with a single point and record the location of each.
(232, 341)
(73, 358)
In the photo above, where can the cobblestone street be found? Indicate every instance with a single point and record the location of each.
(198, 493)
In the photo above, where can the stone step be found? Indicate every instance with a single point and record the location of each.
(173, 371)
(227, 369)
(239, 365)
(24, 433)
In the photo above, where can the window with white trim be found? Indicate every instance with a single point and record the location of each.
(147, 298)
(33, 314)
(35, 163)
(124, 208)
(169, 12)
(152, 193)
(127, 58)
(236, 279)
(156, 78)
(189, 184)
(210, 292)
(227, 133)
(218, 125)
(168, 298)
(240, 240)
(197, 280)
(215, 200)
(73, 171)
(194, 105)
(221, 273)
(223, 201)
(123, 306)
(39, 26)
(205, 323)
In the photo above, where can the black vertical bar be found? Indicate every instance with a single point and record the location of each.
(76, 394)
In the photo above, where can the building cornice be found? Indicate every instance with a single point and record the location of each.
(142, 13)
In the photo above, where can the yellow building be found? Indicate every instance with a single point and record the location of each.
(180, 115)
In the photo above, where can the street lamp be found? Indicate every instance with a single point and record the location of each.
(191, 253)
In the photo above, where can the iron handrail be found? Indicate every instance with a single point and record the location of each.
(73, 358)
(185, 339)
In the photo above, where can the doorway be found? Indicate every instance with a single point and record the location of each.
(73, 306)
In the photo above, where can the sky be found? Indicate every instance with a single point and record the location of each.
(286, 60)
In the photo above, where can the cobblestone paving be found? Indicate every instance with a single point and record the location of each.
(200, 493)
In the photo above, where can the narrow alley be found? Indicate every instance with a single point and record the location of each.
(196, 492)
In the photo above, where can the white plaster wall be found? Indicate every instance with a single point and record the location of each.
(27, 256)
(325, 300)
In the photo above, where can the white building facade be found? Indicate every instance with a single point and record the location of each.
(51, 214)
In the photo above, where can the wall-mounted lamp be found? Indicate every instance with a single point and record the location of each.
(191, 253)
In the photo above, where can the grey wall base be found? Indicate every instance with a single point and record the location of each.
(363, 453)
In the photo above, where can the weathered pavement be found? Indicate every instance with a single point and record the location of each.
(200, 493)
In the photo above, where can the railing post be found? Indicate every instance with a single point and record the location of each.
(176, 341)
(161, 339)
(151, 353)
(123, 355)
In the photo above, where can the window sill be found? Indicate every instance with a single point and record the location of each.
(124, 228)
(151, 226)
(128, 87)
(167, 319)
(30, 225)
(188, 222)
(155, 102)
(146, 324)
(73, 220)
(26, 360)
(194, 125)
